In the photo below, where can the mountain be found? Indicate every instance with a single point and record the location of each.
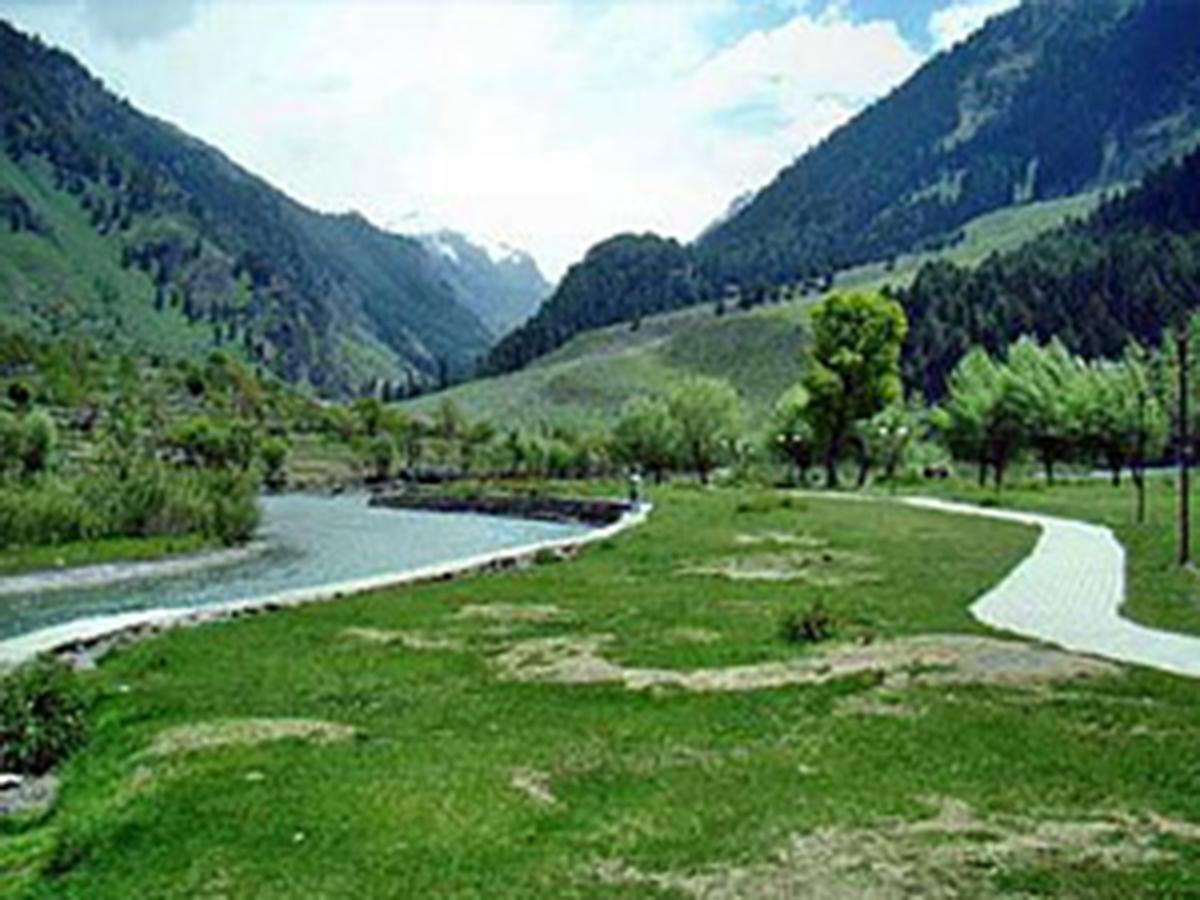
(1126, 273)
(757, 347)
(125, 228)
(501, 285)
(1052, 99)
(601, 290)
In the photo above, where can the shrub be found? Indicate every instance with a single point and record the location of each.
(274, 453)
(156, 500)
(46, 512)
(43, 716)
(234, 511)
(39, 444)
(810, 626)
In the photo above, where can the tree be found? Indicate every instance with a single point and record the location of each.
(983, 409)
(1046, 379)
(380, 453)
(39, 443)
(853, 369)
(368, 414)
(1144, 412)
(274, 454)
(707, 413)
(790, 435)
(647, 436)
(475, 437)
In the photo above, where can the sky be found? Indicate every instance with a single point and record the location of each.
(545, 124)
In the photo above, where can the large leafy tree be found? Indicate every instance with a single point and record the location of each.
(707, 412)
(853, 369)
(985, 413)
(1046, 382)
(647, 435)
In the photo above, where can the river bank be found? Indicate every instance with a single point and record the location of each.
(349, 549)
(534, 507)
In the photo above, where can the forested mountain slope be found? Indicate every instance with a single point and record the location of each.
(1125, 273)
(121, 226)
(625, 277)
(1052, 99)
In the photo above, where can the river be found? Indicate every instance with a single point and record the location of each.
(310, 542)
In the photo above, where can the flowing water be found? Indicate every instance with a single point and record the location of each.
(311, 542)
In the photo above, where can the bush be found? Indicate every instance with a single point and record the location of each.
(274, 454)
(40, 443)
(46, 512)
(810, 626)
(43, 716)
(155, 500)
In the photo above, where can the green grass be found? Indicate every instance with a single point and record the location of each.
(421, 802)
(587, 381)
(17, 560)
(1001, 231)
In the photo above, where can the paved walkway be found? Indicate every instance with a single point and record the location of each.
(1069, 592)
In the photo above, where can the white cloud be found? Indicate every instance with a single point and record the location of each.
(550, 125)
(129, 22)
(951, 24)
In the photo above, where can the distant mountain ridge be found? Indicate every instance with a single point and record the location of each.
(501, 285)
(1050, 99)
(124, 227)
(1053, 98)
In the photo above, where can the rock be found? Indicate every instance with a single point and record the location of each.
(10, 781)
(28, 795)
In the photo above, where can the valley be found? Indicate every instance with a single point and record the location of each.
(843, 550)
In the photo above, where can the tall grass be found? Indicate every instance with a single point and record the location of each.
(155, 500)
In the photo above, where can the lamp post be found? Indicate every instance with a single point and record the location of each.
(893, 439)
(1139, 474)
(1185, 453)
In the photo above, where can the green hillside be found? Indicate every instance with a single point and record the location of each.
(1053, 99)
(67, 278)
(1126, 273)
(123, 227)
(1002, 231)
(586, 381)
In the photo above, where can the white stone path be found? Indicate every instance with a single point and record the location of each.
(1069, 592)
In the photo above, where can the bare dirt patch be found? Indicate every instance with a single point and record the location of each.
(780, 539)
(926, 659)
(872, 704)
(410, 640)
(818, 567)
(535, 785)
(245, 732)
(514, 613)
(954, 853)
(693, 635)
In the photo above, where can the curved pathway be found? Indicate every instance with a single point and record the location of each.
(1069, 592)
